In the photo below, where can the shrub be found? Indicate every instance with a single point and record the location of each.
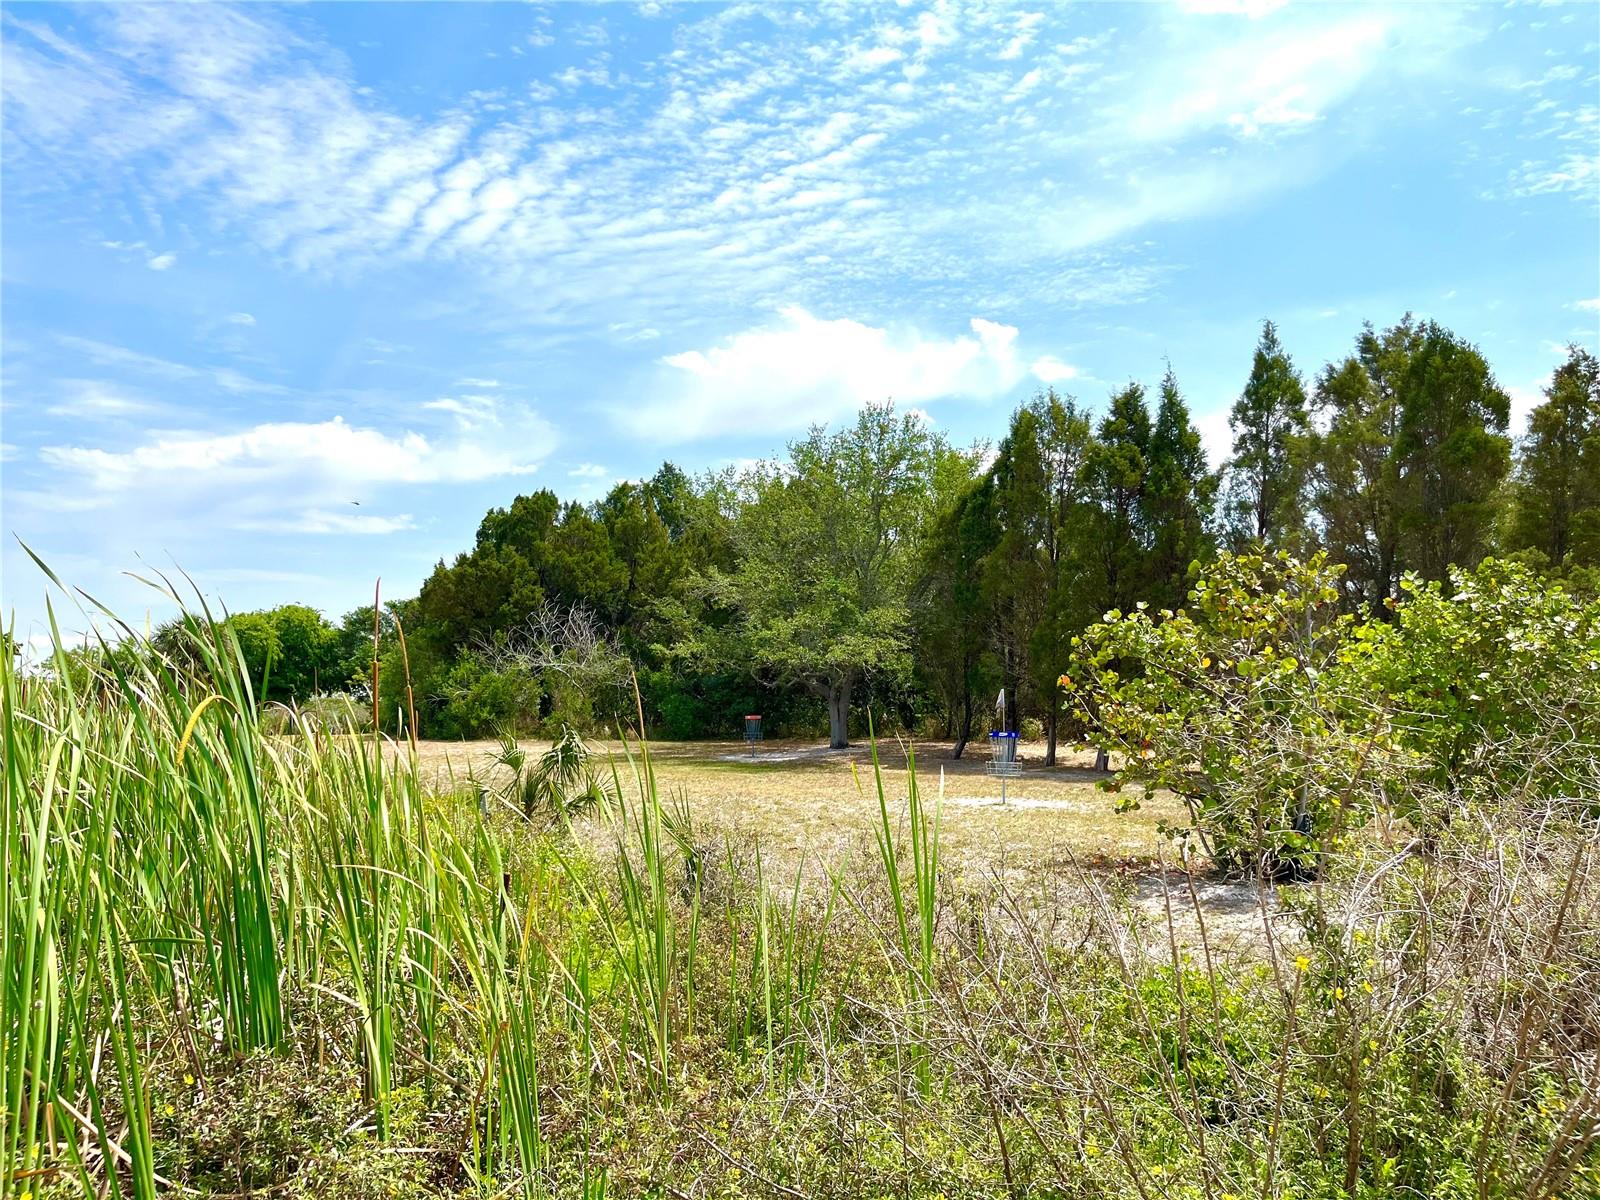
(1492, 684)
(478, 700)
(1237, 704)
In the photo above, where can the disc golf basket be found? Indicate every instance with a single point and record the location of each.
(752, 731)
(1003, 764)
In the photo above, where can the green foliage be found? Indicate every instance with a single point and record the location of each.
(291, 652)
(1179, 495)
(1451, 450)
(480, 699)
(1356, 488)
(1234, 703)
(1271, 435)
(953, 612)
(1479, 674)
(820, 591)
(563, 781)
(1118, 541)
(1556, 508)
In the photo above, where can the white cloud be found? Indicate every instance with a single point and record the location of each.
(472, 382)
(1027, 27)
(161, 262)
(91, 398)
(862, 59)
(1050, 369)
(1215, 435)
(1587, 305)
(1282, 108)
(106, 355)
(308, 477)
(318, 520)
(1576, 173)
(1241, 8)
(1281, 76)
(341, 451)
(588, 471)
(471, 411)
(241, 318)
(805, 369)
(1024, 85)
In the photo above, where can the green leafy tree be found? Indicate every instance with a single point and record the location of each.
(1356, 479)
(291, 652)
(826, 547)
(1018, 570)
(1179, 494)
(1452, 453)
(1117, 562)
(1066, 441)
(1267, 472)
(1557, 491)
(954, 620)
(642, 545)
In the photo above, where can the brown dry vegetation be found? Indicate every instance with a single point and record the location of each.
(804, 801)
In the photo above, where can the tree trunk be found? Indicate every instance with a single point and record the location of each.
(1050, 721)
(1102, 760)
(964, 728)
(839, 715)
(1384, 589)
(1009, 714)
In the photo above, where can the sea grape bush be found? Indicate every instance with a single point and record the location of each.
(1283, 721)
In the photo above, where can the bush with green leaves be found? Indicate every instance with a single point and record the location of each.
(1238, 705)
(1281, 719)
(1491, 683)
(477, 699)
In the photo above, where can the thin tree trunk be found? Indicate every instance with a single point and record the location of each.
(964, 727)
(1050, 721)
(839, 715)
(1384, 588)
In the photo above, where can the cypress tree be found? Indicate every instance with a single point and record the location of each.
(1179, 493)
(1267, 473)
(1557, 492)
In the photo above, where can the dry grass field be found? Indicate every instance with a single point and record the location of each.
(815, 809)
(803, 800)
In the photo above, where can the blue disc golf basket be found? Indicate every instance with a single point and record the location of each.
(1003, 764)
(752, 731)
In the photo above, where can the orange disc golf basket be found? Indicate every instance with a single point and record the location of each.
(752, 731)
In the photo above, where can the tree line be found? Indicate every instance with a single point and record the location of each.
(877, 562)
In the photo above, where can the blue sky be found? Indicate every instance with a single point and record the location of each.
(292, 295)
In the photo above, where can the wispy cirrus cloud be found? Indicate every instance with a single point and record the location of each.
(105, 354)
(90, 399)
(816, 139)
